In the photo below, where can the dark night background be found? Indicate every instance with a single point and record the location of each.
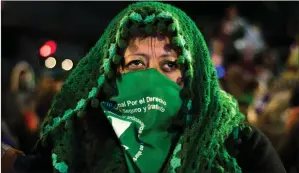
(85, 21)
(78, 25)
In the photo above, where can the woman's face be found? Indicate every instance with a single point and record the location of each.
(152, 52)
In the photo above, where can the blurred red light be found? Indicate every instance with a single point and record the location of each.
(45, 51)
(48, 48)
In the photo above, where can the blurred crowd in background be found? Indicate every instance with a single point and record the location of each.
(262, 76)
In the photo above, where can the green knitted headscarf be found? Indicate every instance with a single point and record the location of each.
(207, 118)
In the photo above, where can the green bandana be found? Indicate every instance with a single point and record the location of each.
(147, 101)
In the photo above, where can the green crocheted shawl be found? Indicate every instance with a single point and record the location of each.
(207, 118)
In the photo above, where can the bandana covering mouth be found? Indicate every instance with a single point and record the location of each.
(141, 118)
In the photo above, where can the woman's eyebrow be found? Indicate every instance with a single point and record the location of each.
(168, 47)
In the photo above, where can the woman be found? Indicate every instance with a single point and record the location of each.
(153, 106)
(19, 107)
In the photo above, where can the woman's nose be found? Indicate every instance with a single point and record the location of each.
(154, 64)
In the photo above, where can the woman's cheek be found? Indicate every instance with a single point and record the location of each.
(176, 77)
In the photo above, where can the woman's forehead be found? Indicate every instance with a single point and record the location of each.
(151, 43)
(160, 38)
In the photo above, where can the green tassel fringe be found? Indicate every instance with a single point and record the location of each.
(122, 43)
(149, 19)
(135, 17)
(164, 15)
(95, 103)
(171, 28)
(148, 29)
(112, 50)
(134, 30)
(175, 41)
(181, 60)
(81, 113)
(106, 65)
(161, 26)
(116, 59)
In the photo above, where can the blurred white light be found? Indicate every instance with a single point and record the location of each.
(67, 64)
(50, 62)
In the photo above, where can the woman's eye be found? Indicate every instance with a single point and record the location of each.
(135, 64)
(170, 66)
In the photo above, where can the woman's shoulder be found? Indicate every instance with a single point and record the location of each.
(253, 151)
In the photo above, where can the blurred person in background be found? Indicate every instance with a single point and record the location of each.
(271, 60)
(19, 107)
(237, 36)
(269, 110)
(93, 127)
(241, 84)
(10, 113)
(232, 29)
(251, 44)
(217, 57)
(293, 60)
(289, 147)
(49, 85)
(234, 82)
(233, 24)
(6, 135)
